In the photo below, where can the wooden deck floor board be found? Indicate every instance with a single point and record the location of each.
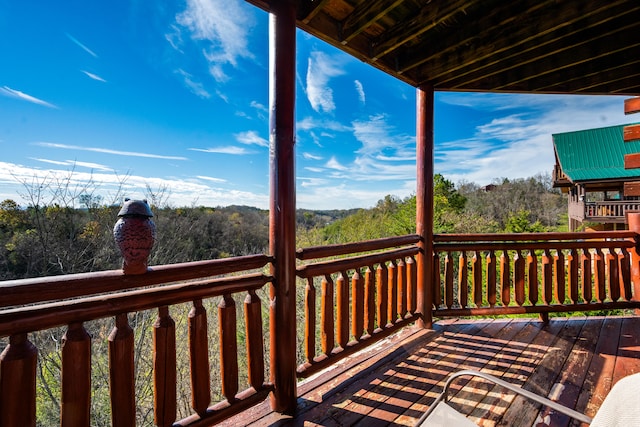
(393, 384)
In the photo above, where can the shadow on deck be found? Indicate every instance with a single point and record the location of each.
(573, 360)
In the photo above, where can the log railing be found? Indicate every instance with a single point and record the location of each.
(32, 305)
(353, 301)
(610, 209)
(354, 295)
(533, 273)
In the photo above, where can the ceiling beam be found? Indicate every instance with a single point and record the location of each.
(365, 14)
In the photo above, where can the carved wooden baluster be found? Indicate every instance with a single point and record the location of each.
(599, 276)
(342, 304)
(369, 300)
(402, 289)
(382, 291)
(559, 277)
(492, 296)
(310, 320)
(199, 355)
(624, 263)
(327, 316)
(76, 377)
(613, 277)
(392, 313)
(532, 273)
(228, 328)
(476, 272)
(572, 262)
(448, 280)
(357, 305)
(463, 280)
(585, 264)
(518, 277)
(164, 368)
(18, 383)
(412, 285)
(254, 332)
(547, 278)
(437, 285)
(505, 278)
(122, 374)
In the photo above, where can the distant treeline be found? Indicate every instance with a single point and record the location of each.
(52, 239)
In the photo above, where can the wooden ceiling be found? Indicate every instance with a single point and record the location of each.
(534, 46)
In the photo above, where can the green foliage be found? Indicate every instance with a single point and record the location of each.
(520, 222)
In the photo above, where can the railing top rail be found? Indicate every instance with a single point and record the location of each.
(486, 246)
(53, 314)
(40, 289)
(533, 237)
(349, 248)
(331, 266)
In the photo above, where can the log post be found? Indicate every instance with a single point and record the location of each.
(424, 203)
(164, 369)
(122, 373)
(282, 239)
(18, 383)
(76, 377)
(633, 219)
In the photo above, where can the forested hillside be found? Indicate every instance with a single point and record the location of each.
(57, 238)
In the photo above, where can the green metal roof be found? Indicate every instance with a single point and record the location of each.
(595, 154)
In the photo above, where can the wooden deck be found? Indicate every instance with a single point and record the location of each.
(573, 360)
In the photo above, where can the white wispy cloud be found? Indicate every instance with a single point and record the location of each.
(333, 163)
(321, 68)
(360, 91)
(223, 27)
(74, 163)
(12, 93)
(311, 123)
(230, 149)
(107, 151)
(312, 182)
(258, 106)
(93, 76)
(310, 156)
(81, 45)
(251, 137)
(212, 179)
(194, 86)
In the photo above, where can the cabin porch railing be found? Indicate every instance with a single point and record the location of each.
(33, 305)
(605, 211)
(497, 274)
(361, 298)
(354, 295)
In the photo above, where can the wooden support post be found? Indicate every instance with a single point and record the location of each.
(633, 219)
(282, 238)
(18, 383)
(424, 203)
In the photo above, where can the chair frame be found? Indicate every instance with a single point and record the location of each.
(518, 390)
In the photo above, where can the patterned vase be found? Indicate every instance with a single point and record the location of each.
(135, 234)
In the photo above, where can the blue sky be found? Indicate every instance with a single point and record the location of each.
(174, 96)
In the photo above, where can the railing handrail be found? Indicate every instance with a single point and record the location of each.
(50, 315)
(328, 267)
(50, 288)
(522, 237)
(349, 248)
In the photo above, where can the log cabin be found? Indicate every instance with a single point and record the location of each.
(590, 169)
(383, 321)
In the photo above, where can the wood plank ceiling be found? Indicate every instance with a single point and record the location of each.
(534, 46)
